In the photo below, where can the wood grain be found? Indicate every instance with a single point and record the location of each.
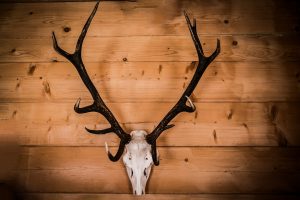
(214, 124)
(225, 170)
(151, 17)
(151, 81)
(242, 143)
(155, 48)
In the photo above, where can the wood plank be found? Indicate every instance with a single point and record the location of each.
(95, 181)
(128, 81)
(234, 159)
(227, 170)
(214, 124)
(155, 48)
(151, 17)
(51, 196)
(150, 70)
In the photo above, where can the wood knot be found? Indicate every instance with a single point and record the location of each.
(67, 29)
(273, 113)
(14, 114)
(226, 21)
(47, 87)
(229, 114)
(31, 69)
(160, 68)
(215, 136)
(186, 160)
(30, 13)
(234, 43)
(245, 125)
(125, 59)
(18, 85)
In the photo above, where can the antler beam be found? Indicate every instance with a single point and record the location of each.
(98, 105)
(181, 106)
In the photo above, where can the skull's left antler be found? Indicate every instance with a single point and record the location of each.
(181, 106)
(98, 104)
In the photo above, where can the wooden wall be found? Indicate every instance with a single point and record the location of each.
(242, 143)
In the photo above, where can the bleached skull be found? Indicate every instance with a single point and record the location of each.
(140, 148)
(138, 161)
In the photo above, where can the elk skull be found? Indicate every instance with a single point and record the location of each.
(140, 147)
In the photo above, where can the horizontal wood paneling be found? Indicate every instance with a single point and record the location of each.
(150, 17)
(214, 124)
(242, 143)
(218, 170)
(155, 48)
(151, 81)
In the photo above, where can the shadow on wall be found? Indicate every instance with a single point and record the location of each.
(9, 158)
(9, 148)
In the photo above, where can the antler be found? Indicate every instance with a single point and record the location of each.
(181, 106)
(98, 104)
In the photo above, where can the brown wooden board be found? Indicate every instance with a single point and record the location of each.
(149, 17)
(151, 81)
(182, 170)
(213, 124)
(277, 48)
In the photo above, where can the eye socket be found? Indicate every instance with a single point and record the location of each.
(146, 158)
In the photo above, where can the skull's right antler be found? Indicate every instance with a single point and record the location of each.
(181, 106)
(98, 105)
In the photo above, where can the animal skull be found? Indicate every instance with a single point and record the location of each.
(140, 147)
(138, 161)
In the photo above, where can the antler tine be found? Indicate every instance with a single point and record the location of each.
(154, 153)
(118, 154)
(193, 31)
(85, 29)
(98, 105)
(197, 43)
(181, 106)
